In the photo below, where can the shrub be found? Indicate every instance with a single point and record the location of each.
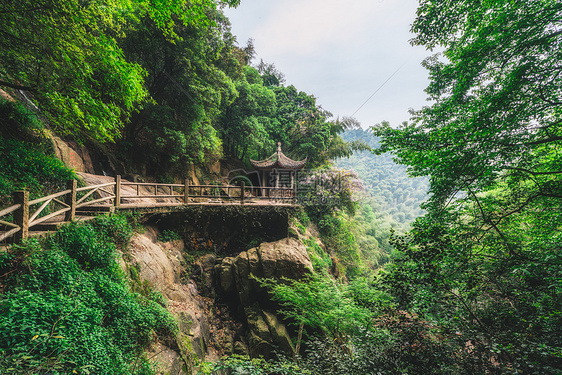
(26, 158)
(168, 235)
(67, 308)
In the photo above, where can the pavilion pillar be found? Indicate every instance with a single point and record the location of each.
(263, 184)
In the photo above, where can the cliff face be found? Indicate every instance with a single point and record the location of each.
(207, 281)
(101, 159)
(220, 307)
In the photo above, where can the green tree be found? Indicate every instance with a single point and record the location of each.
(245, 123)
(497, 96)
(485, 260)
(67, 55)
(187, 90)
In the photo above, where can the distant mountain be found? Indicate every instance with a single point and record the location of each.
(392, 201)
(396, 194)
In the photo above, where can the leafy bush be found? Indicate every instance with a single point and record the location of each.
(321, 262)
(322, 303)
(25, 165)
(26, 159)
(85, 245)
(68, 308)
(168, 235)
(338, 238)
(244, 365)
(115, 227)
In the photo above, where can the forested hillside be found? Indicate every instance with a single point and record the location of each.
(470, 285)
(163, 86)
(390, 190)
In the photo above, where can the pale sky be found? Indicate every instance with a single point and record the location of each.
(340, 52)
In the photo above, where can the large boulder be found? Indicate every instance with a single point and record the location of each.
(266, 333)
(68, 155)
(160, 265)
(286, 258)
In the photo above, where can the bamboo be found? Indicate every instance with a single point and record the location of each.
(149, 184)
(9, 233)
(148, 196)
(242, 188)
(8, 224)
(61, 202)
(95, 186)
(85, 204)
(44, 218)
(88, 194)
(40, 209)
(71, 201)
(117, 201)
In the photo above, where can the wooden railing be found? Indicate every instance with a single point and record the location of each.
(26, 214)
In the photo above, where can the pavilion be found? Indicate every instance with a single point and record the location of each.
(281, 169)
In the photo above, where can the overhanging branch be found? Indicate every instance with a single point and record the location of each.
(18, 87)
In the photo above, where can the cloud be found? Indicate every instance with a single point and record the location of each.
(307, 27)
(341, 52)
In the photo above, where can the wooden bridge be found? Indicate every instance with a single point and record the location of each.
(25, 217)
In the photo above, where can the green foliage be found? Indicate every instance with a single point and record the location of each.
(68, 308)
(24, 167)
(333, 307)
(16, 121)
(339, 240)
(79, 73)
(410, 350)
(168, 235)
(321, 261)
(266, 112)
(496, 96)
(244, 365)
(26, 162)
(302, 217)
(188, 87)
(484, 262)
(390, 203)
(394, 197)
(116, 227)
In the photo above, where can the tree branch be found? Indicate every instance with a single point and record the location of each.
(18, 87)
(543, 141)
(533, 173)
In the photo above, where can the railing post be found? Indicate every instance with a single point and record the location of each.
(242, 188)
(21, 215)
(186, 191)
(71, 200)
(117, 191)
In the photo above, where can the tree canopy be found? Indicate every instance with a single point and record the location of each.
(68, 55)
(484, 262)
(497, 96)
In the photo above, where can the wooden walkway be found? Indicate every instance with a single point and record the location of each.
(26, 218)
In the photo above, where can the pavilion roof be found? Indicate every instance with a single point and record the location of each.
(278, 160)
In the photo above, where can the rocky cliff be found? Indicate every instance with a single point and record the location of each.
(220, 307)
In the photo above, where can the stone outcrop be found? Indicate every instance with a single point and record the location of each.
(194, 290)
(160, 265)
(286, 258)
(73, 155)
(266, 333)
